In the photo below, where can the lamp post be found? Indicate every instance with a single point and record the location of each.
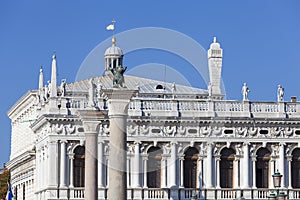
(277, 183)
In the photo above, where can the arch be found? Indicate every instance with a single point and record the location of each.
(154, 167)
(191, 156)
(226, 167)
(296, 168)
(263, 167)
(79, 166)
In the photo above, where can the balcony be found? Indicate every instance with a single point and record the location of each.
(186, 194)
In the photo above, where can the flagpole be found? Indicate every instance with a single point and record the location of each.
(113, 22)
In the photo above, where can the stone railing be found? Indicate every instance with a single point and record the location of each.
(187, 193)
(191, 107)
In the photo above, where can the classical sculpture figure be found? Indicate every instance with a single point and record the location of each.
(63, 87)
(245, 92)
(91, 102)
(280, 93)
(118, 72)
(209, 88)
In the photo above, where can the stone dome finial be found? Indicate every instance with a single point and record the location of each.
(215, 39)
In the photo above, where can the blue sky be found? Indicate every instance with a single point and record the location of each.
(260, 40)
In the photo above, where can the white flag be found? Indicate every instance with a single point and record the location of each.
(110, 27)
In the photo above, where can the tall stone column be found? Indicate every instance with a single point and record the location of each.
(118, 101)
(145, 160)
(100, 165)
(254, 172)
(71, 157)
(218, 177)
(272, 171)
(172, 165)
(63, 164)
(91, 120)
(209, 168)
(245, 170)
(136, 166)
(200, 172)
(163, 171)
(236, 170)
(289, 158)
(281, 164)
(181, 160)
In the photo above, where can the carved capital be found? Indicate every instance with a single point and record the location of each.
(118, 100)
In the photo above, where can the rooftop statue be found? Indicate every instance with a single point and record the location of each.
(280, 93)
(245, 92)
(118, 80)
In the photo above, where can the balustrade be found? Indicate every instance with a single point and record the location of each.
(187, 193)
(206, 108)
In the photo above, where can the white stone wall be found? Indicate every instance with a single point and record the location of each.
(22, 136)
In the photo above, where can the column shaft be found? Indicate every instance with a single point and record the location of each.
(163, 172)
(290, 171)
(254, 172)
(245, 171)
(100, 165)
(62, 164)
(71, 156)
(117, 159)
(218, 173)
(182, 172)
(281, 164)
(136, 166)
(145, 173)
(236, 170)
(172, 165)
(209, 168)
(200, 173)
(91, 165)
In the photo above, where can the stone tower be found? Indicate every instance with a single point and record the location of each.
(215, 55)
(113, 57)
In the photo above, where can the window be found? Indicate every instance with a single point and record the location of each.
(262, 168)
(79, 160)
(296, 168)
(226, 168)
(190, 167)
(154, 167)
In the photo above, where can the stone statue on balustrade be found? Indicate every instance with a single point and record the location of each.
(91, 102)
(118, 80)
(280, 93)
(63, 87)
(245, 92)
(209, 88)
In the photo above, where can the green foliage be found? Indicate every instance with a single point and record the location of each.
(3, 183)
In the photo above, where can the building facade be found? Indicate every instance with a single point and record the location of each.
(180, 140)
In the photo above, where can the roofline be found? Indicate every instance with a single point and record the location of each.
(20, 102)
